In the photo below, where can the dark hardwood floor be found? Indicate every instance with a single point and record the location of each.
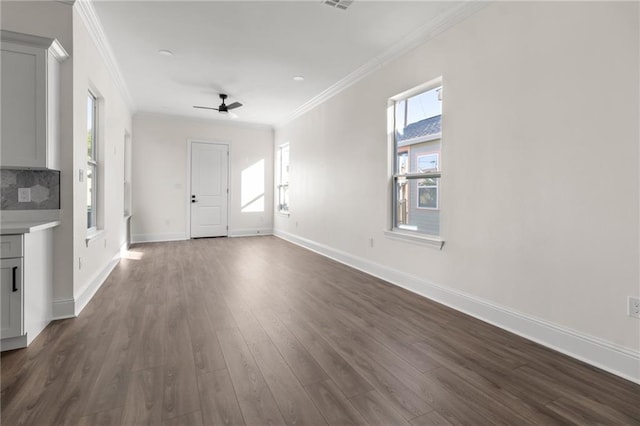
(258, 331)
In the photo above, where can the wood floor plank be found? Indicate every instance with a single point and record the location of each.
(293, 401)
(149, 351)
(299, 360)
(430, 419)
(105, 418)
(404, 399)
(376, 409)
(457, 399)
(333, 404)
(218, 399)
(180, 390)
(143, 404)
(582, 410)
(112, 381)
(189, 419)
(349, 381)
(254, 397)
(259, 331)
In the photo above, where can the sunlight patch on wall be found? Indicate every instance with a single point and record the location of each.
(252, 188)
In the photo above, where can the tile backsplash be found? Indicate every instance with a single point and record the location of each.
(44, 187)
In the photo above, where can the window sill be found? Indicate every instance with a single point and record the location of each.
(93, 235)
(399, 234)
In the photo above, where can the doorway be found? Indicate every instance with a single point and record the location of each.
(209, 189)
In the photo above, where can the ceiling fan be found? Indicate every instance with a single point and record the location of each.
(222, 108)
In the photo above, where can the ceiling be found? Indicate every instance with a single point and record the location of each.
(251, 50)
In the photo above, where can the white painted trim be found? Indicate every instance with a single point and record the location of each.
(94, 284)
(153, 238)
(599, 353)
(411, 41)
(422, 239)
(94, 28)
(52, 44)
(190, 142)
(12, 343)
(248, 232)
(63, 309)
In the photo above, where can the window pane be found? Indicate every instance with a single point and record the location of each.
(91, 127)
(417, 205)
(427, 163)
(427, 197)
(91, 196)
(283, 198)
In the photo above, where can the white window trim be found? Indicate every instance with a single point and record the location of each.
(94, 162)
(281, 184)
(395, 232)
(414, 237)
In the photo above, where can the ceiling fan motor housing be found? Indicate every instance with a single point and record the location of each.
(223, 106)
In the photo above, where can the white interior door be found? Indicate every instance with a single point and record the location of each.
(209, 189)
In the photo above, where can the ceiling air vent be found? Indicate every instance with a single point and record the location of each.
(340, 4)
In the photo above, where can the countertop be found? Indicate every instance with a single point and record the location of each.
(27, 226)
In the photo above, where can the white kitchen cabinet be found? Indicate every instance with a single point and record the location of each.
(11, 298)
(30, 73)
(11, 286)
(26, 285)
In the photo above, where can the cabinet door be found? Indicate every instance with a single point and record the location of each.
(24, 105)
(11, 291)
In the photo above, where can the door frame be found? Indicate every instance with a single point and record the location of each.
(187, 198)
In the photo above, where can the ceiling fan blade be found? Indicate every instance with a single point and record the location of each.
(203, 107)
(234, 105)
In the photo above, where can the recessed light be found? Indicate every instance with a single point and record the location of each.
(299, 78)
(165, 52)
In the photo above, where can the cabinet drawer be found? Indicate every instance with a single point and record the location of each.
(10, 246)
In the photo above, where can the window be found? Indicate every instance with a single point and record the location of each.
(92, 163)
(417, 119)
(283, 179)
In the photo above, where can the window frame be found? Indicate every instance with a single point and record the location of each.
(394, 231)
(282, 187)
(93, 164)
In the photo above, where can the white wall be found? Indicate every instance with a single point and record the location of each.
(160, 199)
(540, 168)
(114, 119)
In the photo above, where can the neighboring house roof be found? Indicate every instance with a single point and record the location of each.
(421, 129)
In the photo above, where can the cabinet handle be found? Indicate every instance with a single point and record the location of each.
(15, 270)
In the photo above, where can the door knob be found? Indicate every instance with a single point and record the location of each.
(193, 200)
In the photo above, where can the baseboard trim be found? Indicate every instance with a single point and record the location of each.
(599, 353)
(250, 232)
(12, 343)
(154, 238)
(63, 309)
(94, 284)
(71, 308)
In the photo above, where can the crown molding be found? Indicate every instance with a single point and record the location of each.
(94, 27)
(52, 44)
(415, 38)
